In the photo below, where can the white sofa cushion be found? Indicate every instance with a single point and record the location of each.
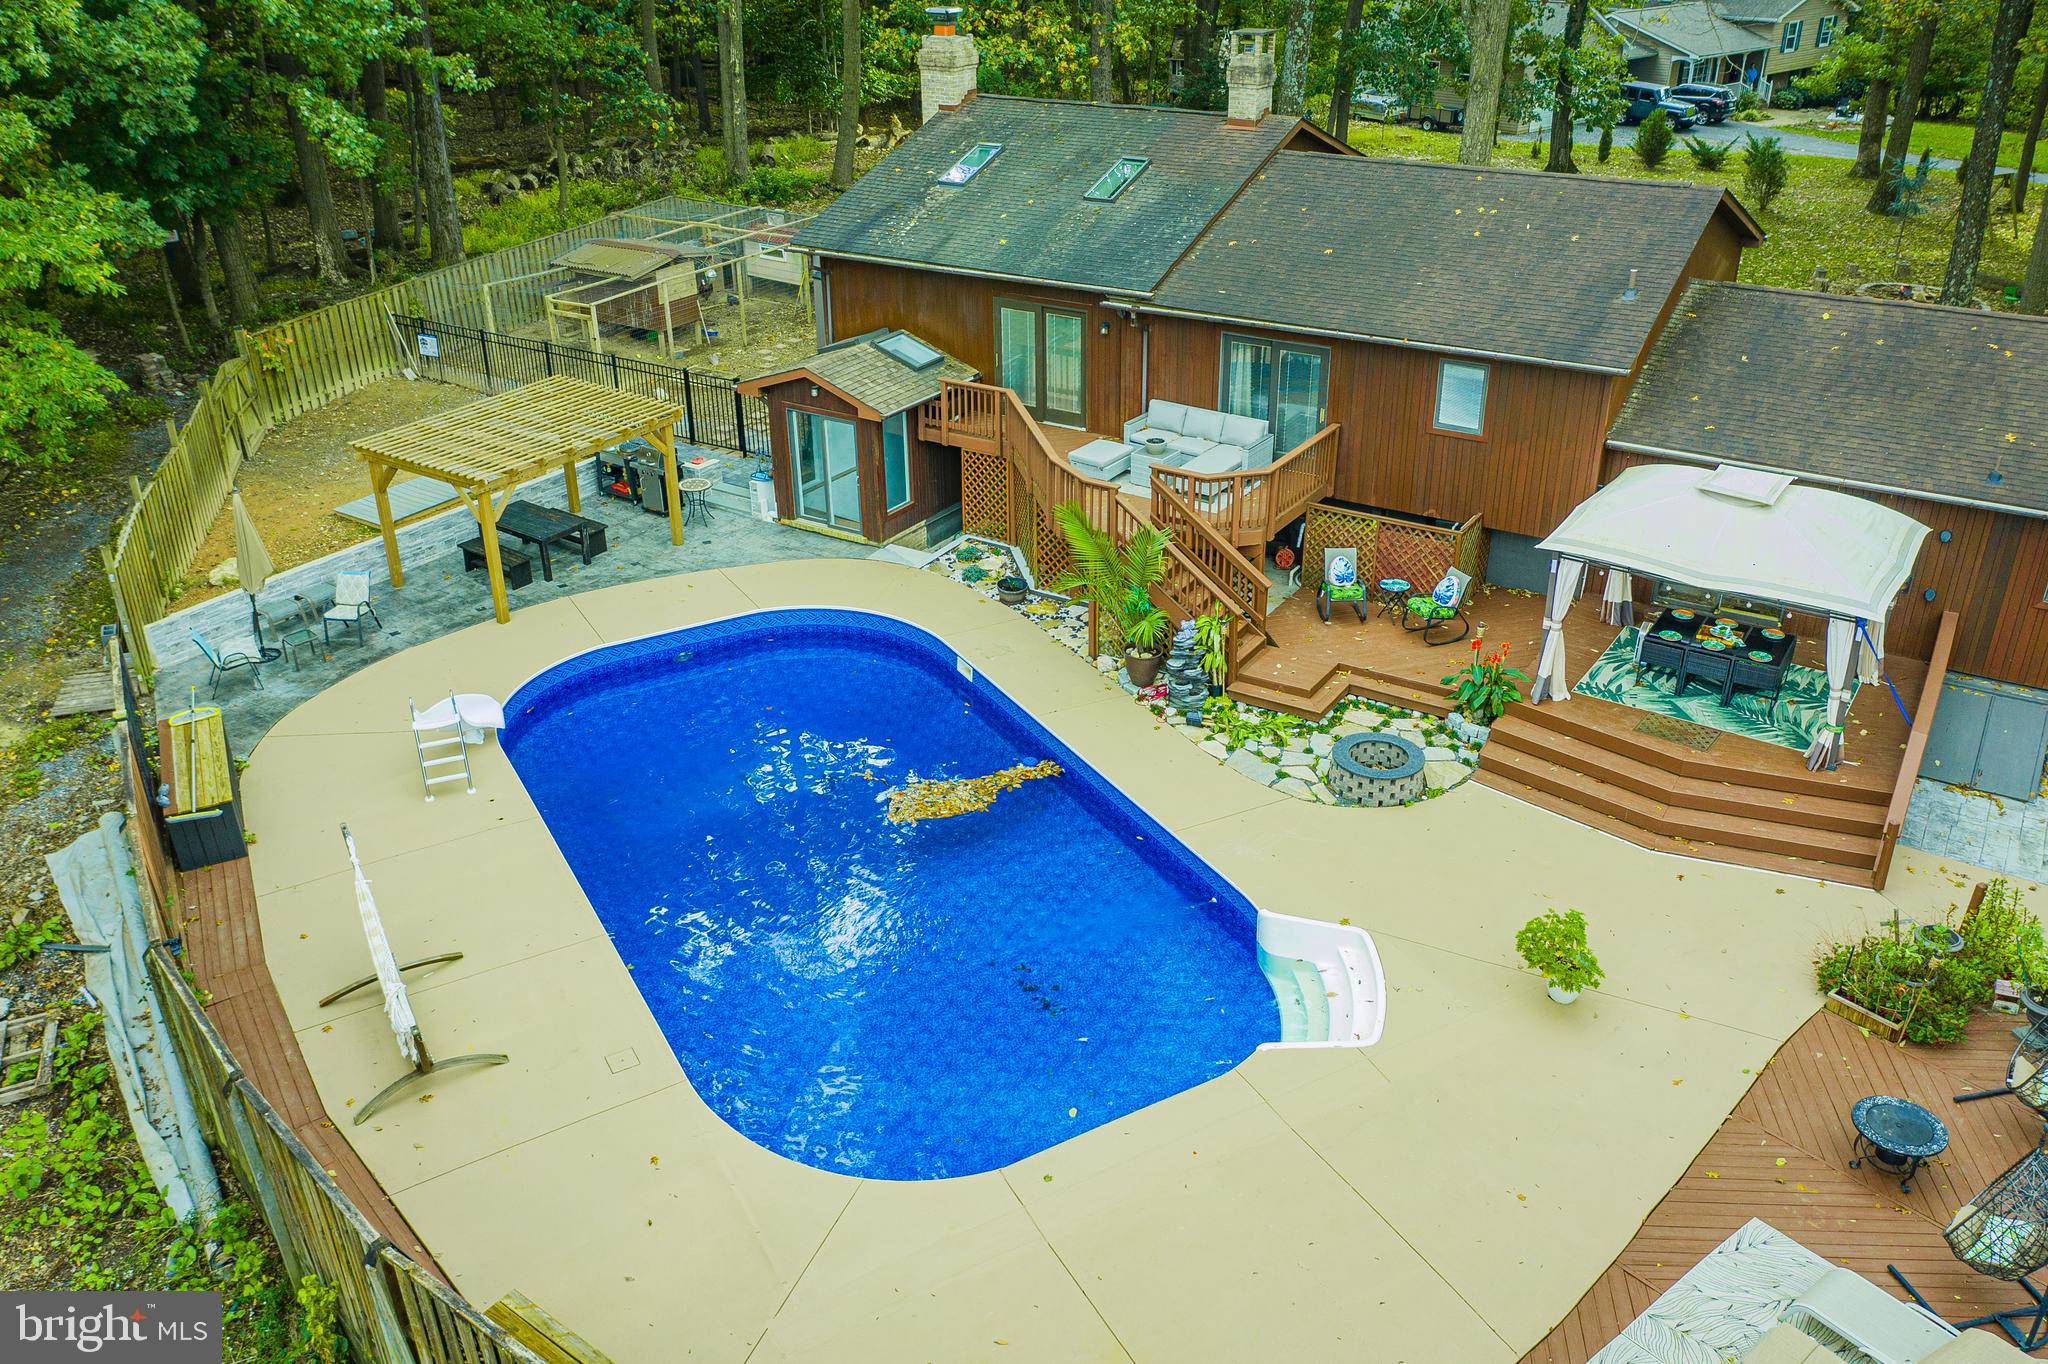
(1161, 415)
(1220, 459)
(1244, 431)
(1101, 458)
(1193, 447)
(1203, 422)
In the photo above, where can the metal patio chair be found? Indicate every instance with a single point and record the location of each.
(245, 654)
(351, 605)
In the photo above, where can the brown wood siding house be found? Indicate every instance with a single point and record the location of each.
(1939, 413)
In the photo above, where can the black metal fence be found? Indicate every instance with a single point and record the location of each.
(715, 413)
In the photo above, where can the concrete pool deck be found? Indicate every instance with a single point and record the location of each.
(1444, 1196)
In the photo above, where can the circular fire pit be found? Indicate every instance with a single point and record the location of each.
(1376, 769)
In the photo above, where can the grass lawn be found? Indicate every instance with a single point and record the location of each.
(1818, 221)
(1951, 140)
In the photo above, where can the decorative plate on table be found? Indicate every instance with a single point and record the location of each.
(1681, 614)
(1714, 646)
(1774, 634)
(1669, 634)
(1760, 655)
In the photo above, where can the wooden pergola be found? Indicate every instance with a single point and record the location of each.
(488, 448)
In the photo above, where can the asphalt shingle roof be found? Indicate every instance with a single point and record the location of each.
(864, 372)
(1693, 27)
(1502, 262)
(1912, 397)
(1023, 214)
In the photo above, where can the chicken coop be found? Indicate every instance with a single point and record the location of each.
(622, 288)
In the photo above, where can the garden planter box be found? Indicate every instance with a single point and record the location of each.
(1840, 1005)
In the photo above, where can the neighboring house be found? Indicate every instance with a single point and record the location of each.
(1941, 413)
(1728, 42)
(1470, 334)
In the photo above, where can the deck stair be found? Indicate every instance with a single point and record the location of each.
(1664, 797)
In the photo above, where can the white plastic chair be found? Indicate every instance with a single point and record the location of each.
(351, 605)
(1875, 1322)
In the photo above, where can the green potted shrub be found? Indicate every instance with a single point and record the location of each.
(1119, 579)
(1011, 589)
(1212, 641)
(1553, 944)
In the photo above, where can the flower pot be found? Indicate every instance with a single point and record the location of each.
(1215, 689)
(1142, 668)
(1010, 590)
(1562, 996)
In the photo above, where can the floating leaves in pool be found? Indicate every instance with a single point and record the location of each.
(684, 656)
(961, 795)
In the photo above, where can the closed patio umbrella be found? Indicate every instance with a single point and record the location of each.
(252, 567)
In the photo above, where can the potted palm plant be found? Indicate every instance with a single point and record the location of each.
(1212, 643)
(1119, 579)
(1553, 944)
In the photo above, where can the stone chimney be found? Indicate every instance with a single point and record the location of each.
(947, 64)
(1248, 75)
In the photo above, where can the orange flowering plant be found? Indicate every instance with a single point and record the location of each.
(1485, 686)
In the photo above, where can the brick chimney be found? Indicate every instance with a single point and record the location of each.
(947, 64)
(1248, 75)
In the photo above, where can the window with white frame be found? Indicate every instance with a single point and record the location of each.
(1793, 32)
(1824, 31)
(1461, 397)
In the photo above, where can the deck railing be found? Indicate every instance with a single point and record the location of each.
(1219, 567)
(1916, 745)
(1249, 506)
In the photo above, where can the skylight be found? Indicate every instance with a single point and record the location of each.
(907, 350)
(969, 165)
(1117, 178)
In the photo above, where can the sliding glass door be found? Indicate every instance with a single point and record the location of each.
(825, 461)
(1277, 382)
(1041, 353)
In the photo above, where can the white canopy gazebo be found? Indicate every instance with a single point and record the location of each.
(1747, 533)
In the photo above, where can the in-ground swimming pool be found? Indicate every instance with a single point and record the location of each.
(896, 1001)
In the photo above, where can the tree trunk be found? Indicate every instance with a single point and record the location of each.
(233, 250)
(2023, 181)
(383, 203)
(703, 89)
(204, 275)
(1101, 58)
(849, 92)
(732, 86)
(1346, 74)
(1290, 95)
(1870, 142)
(171, 297)
(1899, 141)
(178, 258)
(652, 44)
(1973, 205)
(558, 150)
(2034, 292)
(1200, 59)
(269, 240)
(329, 257)
(437, 179)
(1488, 23)
(1561, 97)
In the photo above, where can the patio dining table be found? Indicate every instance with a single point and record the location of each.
(543, 527)
(1687, 643)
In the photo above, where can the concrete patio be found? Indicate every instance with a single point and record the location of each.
(1444, 1196)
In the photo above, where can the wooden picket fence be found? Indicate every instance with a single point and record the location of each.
(284, 371)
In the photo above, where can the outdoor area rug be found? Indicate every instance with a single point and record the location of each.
(1790, 722)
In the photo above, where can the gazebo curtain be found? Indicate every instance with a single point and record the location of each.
(1870, 661)
(1617, 599)
(1826, 749)
(1551, 682)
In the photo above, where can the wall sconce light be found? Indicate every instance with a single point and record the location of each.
(814, 390)
(1103, 330)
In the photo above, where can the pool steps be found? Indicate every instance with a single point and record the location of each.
(1326, 978)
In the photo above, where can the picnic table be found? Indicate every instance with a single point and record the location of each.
(543, 527)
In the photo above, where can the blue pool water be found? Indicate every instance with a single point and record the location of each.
(886, 1000)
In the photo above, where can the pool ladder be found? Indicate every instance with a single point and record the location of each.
(436, 738)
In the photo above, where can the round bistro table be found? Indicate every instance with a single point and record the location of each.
(1896, 1135)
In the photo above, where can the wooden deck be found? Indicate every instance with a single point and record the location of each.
(224, 951)
(1783, 1155)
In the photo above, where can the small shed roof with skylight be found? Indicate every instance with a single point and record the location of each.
(880, 372)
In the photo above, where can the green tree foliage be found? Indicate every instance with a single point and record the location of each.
(1653, 139)
(1764, 170)
(1708, 156)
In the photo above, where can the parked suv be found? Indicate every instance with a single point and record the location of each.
(1643, 97)
(1715, 102)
